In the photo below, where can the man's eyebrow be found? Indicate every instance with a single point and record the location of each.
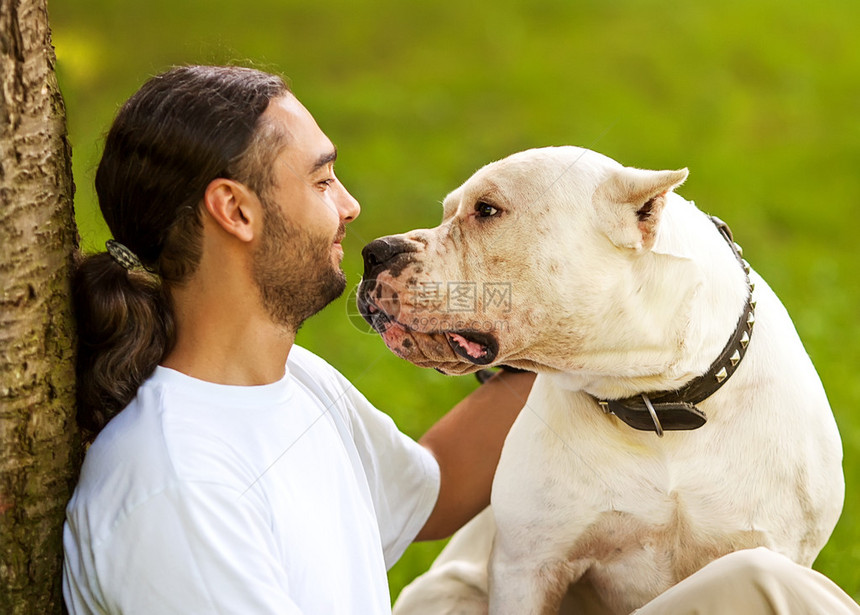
(325, 159)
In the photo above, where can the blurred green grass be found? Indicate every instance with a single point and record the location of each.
(759, 98)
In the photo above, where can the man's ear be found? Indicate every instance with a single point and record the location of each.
(233, 207)
(629, 204)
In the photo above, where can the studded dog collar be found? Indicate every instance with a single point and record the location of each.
(676, 410)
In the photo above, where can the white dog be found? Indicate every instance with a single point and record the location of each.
(639, 315)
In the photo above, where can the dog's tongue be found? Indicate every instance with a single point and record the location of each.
(476, 351)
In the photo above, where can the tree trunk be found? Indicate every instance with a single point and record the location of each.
(39, 442)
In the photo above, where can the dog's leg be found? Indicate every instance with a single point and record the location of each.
(537, 502)
(456, 583)
(529, 568)
(525, 583)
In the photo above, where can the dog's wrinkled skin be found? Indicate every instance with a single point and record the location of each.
(617, 286)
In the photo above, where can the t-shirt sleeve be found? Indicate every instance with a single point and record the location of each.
(403, 476)
(194, 548)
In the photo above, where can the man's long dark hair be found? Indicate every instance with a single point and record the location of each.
(180, 131)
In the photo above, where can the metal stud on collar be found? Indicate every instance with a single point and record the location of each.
(744, 341)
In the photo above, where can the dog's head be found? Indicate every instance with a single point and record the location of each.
(531, 258)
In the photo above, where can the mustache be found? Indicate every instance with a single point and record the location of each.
(341, 233)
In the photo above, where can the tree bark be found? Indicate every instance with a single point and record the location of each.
(39, 442)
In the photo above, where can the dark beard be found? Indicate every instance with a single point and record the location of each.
(294, 271)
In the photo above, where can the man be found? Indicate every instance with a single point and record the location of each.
(223, 481)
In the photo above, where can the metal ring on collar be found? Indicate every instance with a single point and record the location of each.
(657, 426)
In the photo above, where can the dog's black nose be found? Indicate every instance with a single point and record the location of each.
(379, 252)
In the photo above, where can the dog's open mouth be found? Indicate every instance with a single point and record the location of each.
(473, 346)
(479, 348)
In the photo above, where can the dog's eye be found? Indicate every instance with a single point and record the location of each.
(485, 210)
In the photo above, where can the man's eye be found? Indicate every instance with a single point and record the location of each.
(485, 210)
(326, 182)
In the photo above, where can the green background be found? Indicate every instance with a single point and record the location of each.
(759, 98)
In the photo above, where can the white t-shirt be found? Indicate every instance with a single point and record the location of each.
(292, 497)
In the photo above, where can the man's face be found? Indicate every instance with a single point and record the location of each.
(297, 262)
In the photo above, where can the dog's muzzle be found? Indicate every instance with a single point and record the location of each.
(380, 307)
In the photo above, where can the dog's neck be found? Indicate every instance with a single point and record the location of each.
(692, 292)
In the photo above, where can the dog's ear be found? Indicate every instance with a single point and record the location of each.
(629, 204)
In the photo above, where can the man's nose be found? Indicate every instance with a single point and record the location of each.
(379, 252)
(348, 206)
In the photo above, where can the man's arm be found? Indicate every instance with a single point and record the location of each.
(467, 443)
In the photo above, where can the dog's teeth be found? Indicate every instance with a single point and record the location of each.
(722, 375)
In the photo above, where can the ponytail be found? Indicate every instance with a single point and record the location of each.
(181, 130)
(125, 328)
